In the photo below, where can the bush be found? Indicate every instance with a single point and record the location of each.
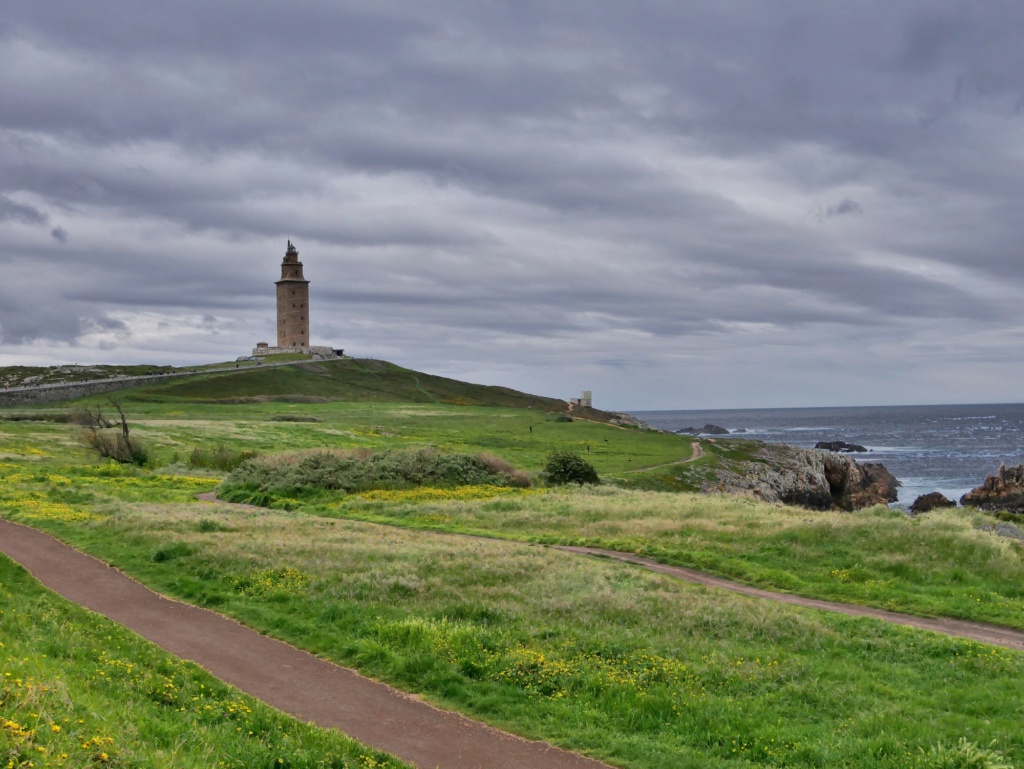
(567, 467)
(499, 466)
(113, 445)
(307, 475)
(96, 432)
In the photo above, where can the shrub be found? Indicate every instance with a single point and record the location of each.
(113, 445)
(306, 475)
(96, 433)
(499, 466)
(563, 418)
(568, 467)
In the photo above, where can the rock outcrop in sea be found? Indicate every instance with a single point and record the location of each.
(812, 478)
(1002, 491)
(928, 502)
(707, 429)
(840, 446)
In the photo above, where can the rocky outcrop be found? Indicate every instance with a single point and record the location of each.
(707, 429)
(928, 502)
(811, 478)
(1002, 491)
(1003, 530)
(839, 446)
(620, 419)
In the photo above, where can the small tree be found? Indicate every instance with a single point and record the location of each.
(96, 434)
(568, 467)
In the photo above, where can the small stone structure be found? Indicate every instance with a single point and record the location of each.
(585, 401)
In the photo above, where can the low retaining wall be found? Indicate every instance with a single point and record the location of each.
(26, 396)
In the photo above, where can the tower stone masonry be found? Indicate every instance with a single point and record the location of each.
(292, 303)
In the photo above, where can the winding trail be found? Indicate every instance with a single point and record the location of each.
(996, 635)
(287, 678)
(975, 631)
(984, 632)
(698, 452)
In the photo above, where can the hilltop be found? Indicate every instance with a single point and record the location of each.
(345, 379)
(351, 380)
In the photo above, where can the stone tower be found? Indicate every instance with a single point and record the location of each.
(292, 303)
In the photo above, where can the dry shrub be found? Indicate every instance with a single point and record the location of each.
(96, 433)
(500, 466)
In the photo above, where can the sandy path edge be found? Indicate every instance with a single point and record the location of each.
(975, 631)
(283, 676)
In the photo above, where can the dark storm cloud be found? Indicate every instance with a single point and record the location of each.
(616, 181)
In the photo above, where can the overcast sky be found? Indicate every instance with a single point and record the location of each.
(675, 204)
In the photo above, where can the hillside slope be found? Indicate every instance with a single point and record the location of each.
(348, 379)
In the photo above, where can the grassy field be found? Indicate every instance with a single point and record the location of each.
(77, 690)
(940, 564)
(523, 436)
(633, 667)
(630, 666)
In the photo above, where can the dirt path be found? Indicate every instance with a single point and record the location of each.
(976, 631)
(291, 680)
(698, 452)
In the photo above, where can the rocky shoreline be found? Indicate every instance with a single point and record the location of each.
(812, 478)
(829, 478)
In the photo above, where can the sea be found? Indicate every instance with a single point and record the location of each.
(949, 449)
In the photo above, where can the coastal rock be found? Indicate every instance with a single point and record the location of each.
(811, 478)
(620, 419)
(1002, 491)
(855, 485)
(839, 446)
(1003, 530)
(707, 429)
(933, 501)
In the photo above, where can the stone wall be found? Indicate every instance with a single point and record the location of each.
(25, 396)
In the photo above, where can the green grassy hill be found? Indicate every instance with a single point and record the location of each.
(348, 379)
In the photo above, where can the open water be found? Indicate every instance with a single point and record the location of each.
(949, 449)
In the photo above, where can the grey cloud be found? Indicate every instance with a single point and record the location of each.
(844, 207)
(549, 175)
(16, 212)
(25, 321)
